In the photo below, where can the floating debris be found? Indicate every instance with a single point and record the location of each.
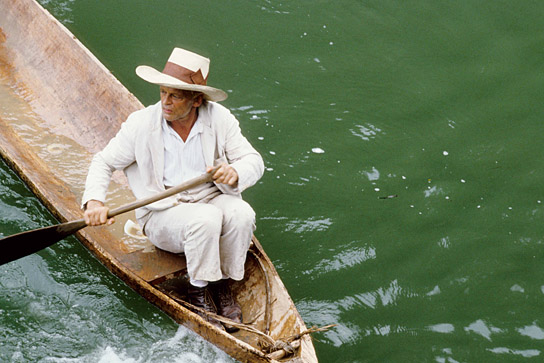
(389, 196)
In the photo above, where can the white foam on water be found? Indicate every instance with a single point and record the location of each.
(184, 347)
(110, 356)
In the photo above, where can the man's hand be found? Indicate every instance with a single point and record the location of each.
(96, 214)
(226, 174)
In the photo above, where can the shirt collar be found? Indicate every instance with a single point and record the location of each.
(197, 128)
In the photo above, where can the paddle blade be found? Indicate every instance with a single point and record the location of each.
(26, 243)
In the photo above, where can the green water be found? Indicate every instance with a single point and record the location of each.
(437, 103)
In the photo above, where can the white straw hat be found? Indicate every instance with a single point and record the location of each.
(184, 70)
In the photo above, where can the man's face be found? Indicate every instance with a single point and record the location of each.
(178, 104)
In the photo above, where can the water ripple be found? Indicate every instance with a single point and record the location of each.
(528, 353)
(444, 328)
(365, 132)
(62, 10)
(481, 328)
(322, 313)
(347, 258)
(75, 322)
(380, 297)
(309, 225)
(532, 331)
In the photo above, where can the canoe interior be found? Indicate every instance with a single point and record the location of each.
(66, 106)
(262, 307)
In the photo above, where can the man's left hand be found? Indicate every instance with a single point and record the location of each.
(226, 174)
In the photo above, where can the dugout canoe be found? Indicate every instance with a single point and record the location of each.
(60, 105)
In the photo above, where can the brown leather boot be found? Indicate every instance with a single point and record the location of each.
(226, 305)
(200, 297)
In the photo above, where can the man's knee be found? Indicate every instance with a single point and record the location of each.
(208, 220)
(240, 215)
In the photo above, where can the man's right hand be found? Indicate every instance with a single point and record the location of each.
(96, 214)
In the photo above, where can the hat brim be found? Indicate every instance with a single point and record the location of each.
(152, 75)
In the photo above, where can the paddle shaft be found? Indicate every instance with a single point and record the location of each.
(204, 178)
(25, 243)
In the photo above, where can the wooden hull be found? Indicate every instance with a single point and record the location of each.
(73, 106)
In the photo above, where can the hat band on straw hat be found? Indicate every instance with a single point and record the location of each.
(184, 74)
(184, 70)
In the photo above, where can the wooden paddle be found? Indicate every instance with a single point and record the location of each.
(25, 243)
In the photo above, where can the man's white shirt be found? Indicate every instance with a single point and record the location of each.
(183, 160)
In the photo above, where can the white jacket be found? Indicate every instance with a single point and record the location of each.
(138, 150)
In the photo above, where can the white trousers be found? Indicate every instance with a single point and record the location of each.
(214, 236)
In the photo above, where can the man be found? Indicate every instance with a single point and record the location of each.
(178, 138)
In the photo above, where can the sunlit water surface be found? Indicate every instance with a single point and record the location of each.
(403, 193)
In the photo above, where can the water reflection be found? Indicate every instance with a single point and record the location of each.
(348, 257)
(517, 288)
(341, 312)
(442, 359)
(444, 328)
(434, 190)
(532, 331)
(365, 132)
(528, 353)
(308, 225)
(481, 328)
(434, 291)
(322, 313)
(373, 174)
